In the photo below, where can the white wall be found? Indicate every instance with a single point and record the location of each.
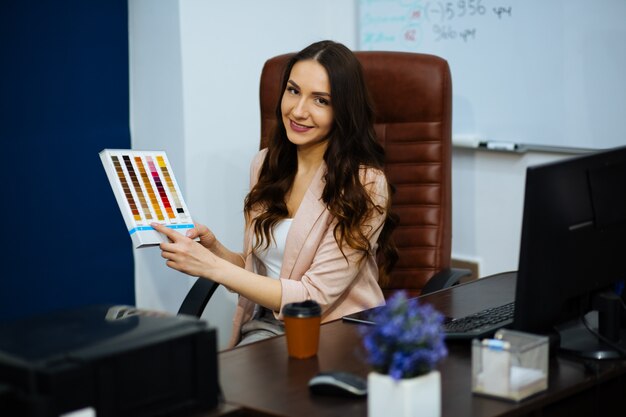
(195, 68)
(157, 122)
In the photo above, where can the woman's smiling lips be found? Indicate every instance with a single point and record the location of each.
(298, 127)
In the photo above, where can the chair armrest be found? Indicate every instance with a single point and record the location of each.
(198, 297)
(445, 279)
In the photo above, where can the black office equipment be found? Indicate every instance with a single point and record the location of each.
(481, 324)
(570, 274)
(118, 360)
(571, 265)
(339, 384)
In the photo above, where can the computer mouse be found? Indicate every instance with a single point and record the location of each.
(338, 383)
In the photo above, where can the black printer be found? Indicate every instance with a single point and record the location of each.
(118, 360)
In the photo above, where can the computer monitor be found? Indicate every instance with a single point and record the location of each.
(572, 263)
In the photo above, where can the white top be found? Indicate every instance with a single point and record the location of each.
(272, 257)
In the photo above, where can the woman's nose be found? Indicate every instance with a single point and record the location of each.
(300, 110)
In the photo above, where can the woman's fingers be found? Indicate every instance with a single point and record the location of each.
(173, 235)
(183, 254)
(191, 233)
(168, 250)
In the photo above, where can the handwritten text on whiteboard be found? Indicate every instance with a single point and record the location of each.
(407, 24)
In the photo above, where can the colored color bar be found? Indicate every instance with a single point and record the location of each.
(138, 191)
(126, 188)
(148, 187)
(160, 189)
(170, 184)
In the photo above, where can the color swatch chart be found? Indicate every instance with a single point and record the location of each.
(147, 192)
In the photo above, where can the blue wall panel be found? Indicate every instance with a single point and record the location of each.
(64, 96)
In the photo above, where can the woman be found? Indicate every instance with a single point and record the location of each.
(317, 221)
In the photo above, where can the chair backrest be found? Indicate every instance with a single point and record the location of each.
(412, 95)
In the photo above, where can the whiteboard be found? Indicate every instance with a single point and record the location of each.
(543, 72)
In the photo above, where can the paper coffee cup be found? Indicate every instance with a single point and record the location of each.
(302, 328)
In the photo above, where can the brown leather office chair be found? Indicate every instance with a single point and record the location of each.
(412, 95)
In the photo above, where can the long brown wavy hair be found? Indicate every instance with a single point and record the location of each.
(352, 145)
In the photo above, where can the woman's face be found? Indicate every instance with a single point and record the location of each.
(306, 105)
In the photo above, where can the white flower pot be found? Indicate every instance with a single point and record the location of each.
(419, 396)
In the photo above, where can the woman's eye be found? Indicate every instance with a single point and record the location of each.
(292, 90)
(322, 101)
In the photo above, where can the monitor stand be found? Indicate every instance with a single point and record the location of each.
(578, 340)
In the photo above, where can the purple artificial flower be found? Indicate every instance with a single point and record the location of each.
(407, 339)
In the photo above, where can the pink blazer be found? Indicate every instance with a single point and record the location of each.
(313, 266)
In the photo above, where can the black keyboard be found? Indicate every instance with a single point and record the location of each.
(481, 324)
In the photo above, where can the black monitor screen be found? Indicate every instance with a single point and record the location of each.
(573, 249)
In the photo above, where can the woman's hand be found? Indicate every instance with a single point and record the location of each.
(206, 236)
(190, 257)
(185, 255)
(209, 241)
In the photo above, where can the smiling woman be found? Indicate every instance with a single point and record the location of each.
(317, 220)
(308, 118)
(306, 105)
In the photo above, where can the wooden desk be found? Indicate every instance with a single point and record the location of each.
(261, 380)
